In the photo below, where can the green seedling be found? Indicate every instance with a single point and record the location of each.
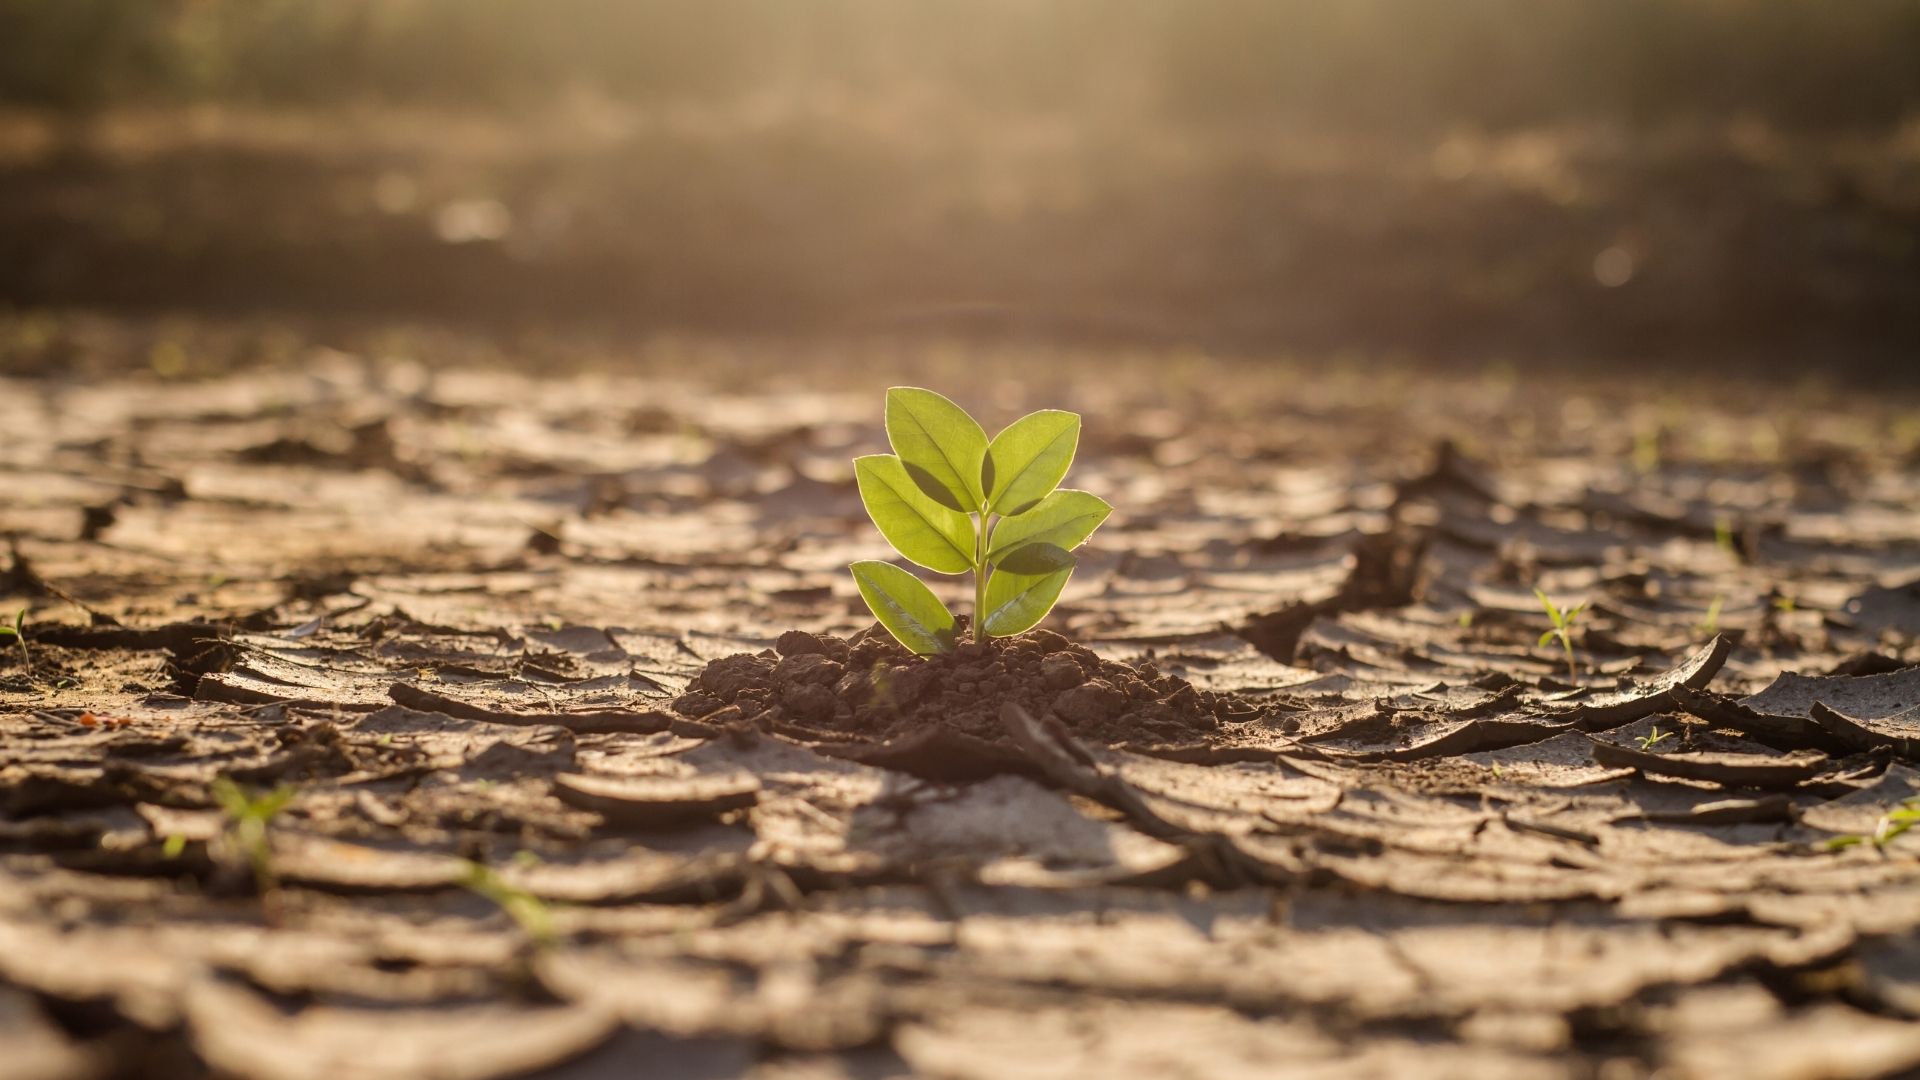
(1891, 824)
(248, 817)
(953, 501)
(1563, 620)
(1646, 450)
(1784, 604)
(1653, 738)
(18, 632)
(528, 911)
(1711, 624)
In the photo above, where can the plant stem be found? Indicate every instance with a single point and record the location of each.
(980, 572)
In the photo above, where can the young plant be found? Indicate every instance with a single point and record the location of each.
(953, 501)
(1895, 822)
(1563, 619)
(528, 911)
(1711, 624)
(18, 632)
(1653, 738)
(248, 816)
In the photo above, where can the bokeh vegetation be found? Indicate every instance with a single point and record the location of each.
(1508, 181)
(1374, 62)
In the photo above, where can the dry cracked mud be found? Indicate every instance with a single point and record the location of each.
(1287, 786)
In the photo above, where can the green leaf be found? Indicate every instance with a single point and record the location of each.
(919, 528)
(230, 796)
(905, 606)
(1548, 636)
(1036, 558)
(942, 447)
(1065, 519)
(933, 489)
(1016, 602)
(270, 804)
(1029, 459)
(1552, 612)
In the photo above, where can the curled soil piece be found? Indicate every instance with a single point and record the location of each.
(869, 688)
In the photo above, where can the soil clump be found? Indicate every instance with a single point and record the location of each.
(868, 687)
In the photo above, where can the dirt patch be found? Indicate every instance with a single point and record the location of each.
(1335, 803)
(868, 687)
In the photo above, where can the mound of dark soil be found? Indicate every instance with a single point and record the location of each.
(871, 688)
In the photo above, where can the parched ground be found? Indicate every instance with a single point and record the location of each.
(456, 616)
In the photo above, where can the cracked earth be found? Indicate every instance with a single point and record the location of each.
(1286, 785)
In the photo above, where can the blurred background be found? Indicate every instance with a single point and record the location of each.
(1666, 183)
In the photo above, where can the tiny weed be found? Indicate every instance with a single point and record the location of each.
(1723, 536)
(1891, 824)
(953, 501)
(1465, 620)
(1563, 626)
(175, 844)
(248, 817)
(1498, 772)
(1783, 604)
(1646, 450)
(1653, 738)
(528, 911)
(18, 632)
(1711, 624)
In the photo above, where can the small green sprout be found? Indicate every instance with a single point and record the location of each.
(952, 501)
(1563, 619)
(1891, 824)
(528, 911)
(1784, 604)
(18, 632)
(1711, 624)
(175, 845)
(1723, 536)
(248, 817)
(1465, 619)
(1646, 450)
(1653, 738)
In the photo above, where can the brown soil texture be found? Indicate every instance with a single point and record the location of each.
(871, 687)
(594, 765)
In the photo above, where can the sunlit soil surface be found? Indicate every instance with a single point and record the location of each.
(461, 612)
